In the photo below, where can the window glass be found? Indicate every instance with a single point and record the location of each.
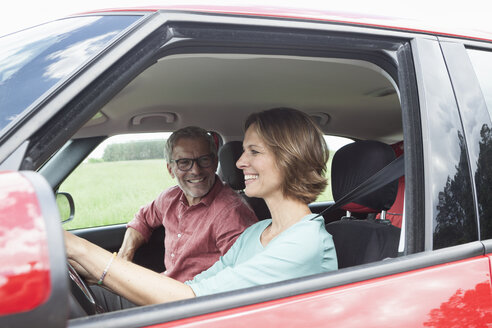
(482, 64)
(447, 173)
(32, 61)
(333, 143)
(126, 172)
(122, 174)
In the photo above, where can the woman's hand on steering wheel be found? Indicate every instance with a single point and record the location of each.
(89, 279)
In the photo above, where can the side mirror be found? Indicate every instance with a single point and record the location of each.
(34, 285)
(66, 206)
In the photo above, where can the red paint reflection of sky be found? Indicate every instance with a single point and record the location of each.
(24, 269)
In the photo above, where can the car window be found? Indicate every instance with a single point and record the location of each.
(334, 143)
(128, 171)
(34, 60)
(482, 63)
(122, 174)
(347, 96)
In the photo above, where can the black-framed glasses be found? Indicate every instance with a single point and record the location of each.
(185, 164)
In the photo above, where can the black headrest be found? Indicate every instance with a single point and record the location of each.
(229, 173)
(353, 164)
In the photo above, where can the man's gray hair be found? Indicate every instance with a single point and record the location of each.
(190, 132)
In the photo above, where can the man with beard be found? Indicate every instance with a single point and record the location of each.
(201, 216)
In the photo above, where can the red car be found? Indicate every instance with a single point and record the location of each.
(68, 85)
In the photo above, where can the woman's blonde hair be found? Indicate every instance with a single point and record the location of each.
(299, 148)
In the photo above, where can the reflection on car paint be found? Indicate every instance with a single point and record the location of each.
(466, 308)
(24, 273)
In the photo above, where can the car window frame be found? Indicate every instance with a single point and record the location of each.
(41, 144)
(371, 38)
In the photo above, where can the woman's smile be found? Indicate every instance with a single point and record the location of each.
(248, 178)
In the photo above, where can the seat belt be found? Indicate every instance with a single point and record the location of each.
(387, 174)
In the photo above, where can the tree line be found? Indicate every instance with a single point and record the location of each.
(134, 150)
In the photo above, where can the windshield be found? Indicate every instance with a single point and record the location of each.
(32, 61)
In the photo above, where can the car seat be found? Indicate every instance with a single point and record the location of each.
(229, 154)
(395, 213)
(360, 241)
(217, 139)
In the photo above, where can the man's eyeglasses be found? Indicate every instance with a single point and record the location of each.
(185, 164)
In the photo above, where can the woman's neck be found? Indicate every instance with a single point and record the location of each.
(285, 213)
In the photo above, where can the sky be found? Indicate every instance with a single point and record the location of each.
(473, 14)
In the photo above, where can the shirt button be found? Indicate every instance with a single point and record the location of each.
(172, 254)
(179, 235)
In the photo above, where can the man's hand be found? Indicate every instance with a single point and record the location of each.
(132, 241)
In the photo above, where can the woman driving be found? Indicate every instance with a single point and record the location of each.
(284, 162)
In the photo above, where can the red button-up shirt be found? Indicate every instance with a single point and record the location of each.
(196, 236)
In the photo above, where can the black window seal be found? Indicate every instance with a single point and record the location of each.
(414, 159)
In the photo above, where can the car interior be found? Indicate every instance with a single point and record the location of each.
(351, 98)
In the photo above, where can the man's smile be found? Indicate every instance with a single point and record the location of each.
(196, 180)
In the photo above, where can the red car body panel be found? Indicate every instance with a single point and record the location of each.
(420, 298)
(25, 272)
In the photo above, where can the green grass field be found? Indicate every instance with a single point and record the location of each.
(111, 192)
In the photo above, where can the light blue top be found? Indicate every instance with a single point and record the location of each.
(305, 248)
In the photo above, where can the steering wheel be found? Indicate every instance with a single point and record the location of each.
(82, 300)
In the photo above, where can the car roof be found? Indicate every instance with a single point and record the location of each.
(436, 25)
